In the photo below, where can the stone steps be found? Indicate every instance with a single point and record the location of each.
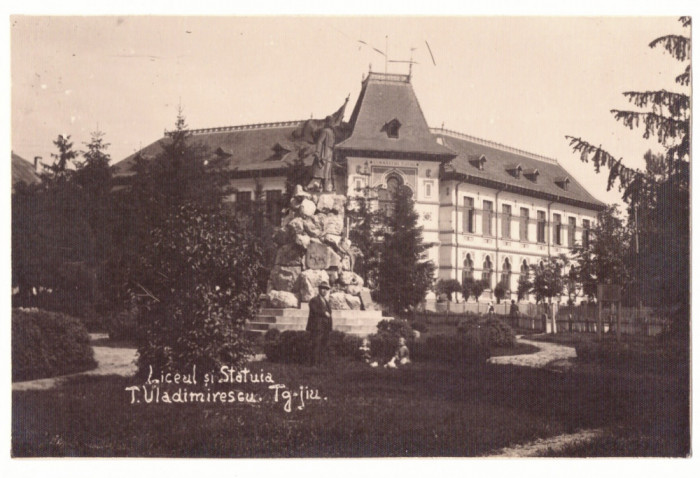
(354, 322)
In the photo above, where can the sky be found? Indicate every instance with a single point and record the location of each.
(525, 82)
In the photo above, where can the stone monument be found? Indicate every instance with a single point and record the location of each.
(314, 247)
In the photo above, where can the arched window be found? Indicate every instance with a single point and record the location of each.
(487, 271)
(387, 197)
(505, 274)
(524, 268)
(468, 272)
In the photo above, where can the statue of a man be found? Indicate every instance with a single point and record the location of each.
(322, 171)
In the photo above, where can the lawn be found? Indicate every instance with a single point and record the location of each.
(426, 409)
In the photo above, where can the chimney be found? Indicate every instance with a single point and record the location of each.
(37, 164)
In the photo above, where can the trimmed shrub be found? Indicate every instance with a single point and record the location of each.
(290, 346)
(500, 334)
(398, 327)
(345, 345)
(456, 349)
(294, 346)
(48, 344)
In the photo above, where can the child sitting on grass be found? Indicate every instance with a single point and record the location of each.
(401, 356)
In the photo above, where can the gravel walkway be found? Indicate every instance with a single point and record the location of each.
(548, 353)
(110, 361)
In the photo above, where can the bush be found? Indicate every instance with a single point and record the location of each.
(290, 346)
(421, 327)
(47, 344)
(398, 327)
(456, 349)
(500, 334)
(345, 345)
(197, 280)
(294, 346)
(123, 325)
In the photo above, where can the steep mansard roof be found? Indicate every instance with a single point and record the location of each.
(387, 98)
(500, 166)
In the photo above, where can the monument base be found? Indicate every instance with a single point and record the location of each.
(354, 322)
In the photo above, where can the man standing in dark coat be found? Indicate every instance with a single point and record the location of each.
(320, 324)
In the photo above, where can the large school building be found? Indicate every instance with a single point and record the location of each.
(488, 211)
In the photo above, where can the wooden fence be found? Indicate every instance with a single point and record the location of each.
(538, 317)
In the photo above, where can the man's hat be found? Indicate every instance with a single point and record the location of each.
(324, 285)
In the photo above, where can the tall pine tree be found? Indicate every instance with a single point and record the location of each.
(658, 197)
(404, 273)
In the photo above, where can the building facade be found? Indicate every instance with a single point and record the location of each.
(488, 211)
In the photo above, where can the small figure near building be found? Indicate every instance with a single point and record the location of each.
(320, 324)
(491, 310)
(514, 310)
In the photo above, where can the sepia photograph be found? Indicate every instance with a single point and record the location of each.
(350, 236)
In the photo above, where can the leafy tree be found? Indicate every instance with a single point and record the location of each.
(404, 274)
(54, 244)
(658, 198)
(473, 288)
(499, 292)
(193, 267)
(197, 287)
(606, 258)
(524, 286)
(549, 280)
(448, 287)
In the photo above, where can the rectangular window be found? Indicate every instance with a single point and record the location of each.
(358, 184)
(585, 237)
(505, 227)
(273, 206)
(572, 231)
(557, 229)
(541, 226)
(428, 190)
(243, 202)
(486, 219)
(468, 219)
(524, 220)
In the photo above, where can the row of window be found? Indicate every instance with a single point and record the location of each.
(243, 204)
(487, 270)
(468, 223)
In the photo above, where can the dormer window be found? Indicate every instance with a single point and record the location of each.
(391, 128)
(563, 182)
(531, 174)
(478, 162)
(515, 170)
(221, 153)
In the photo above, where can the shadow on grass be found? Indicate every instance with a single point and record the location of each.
(425, 409)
